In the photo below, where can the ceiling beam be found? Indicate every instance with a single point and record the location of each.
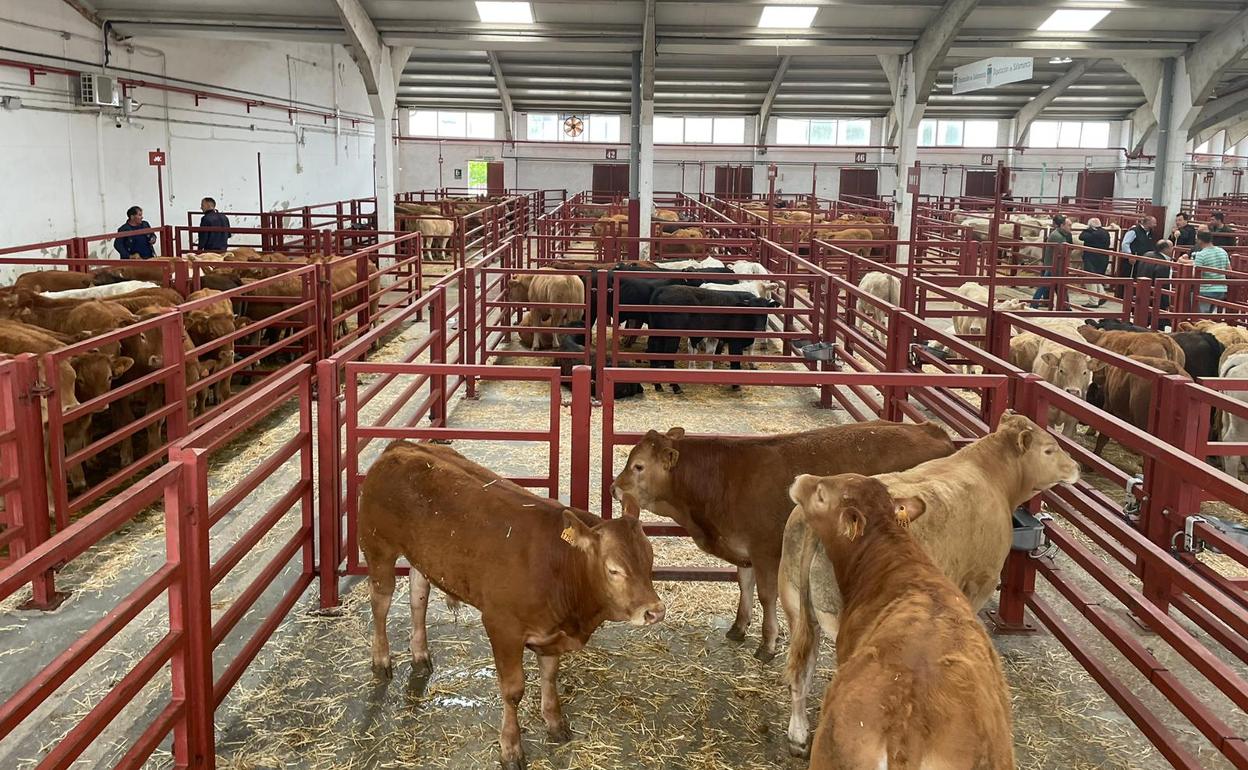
(764, 113)
(649, 40)
(367, 44)
(504, 95)
(1220, 110)
(1216, 51)
(1032, 109)
(930, 49)
(1237, 133)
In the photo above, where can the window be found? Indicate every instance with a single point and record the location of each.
(823, 131)
(669, 129)
(1069, 134)
(958, 133)
(452, 124)
(548, 127)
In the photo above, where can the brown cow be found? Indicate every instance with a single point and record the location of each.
(731, 494)
(918, 683)
(52, 280)
(969, 497)
(1129, 396)
(543, 576)
(554, 287)
(614, 225)
(679, 242)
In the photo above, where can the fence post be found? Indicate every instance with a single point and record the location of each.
(178, 423)
(1018, 575)
(582, 394)
(329, 458)
(31, 473)
(470, 299)
(322, 294)
(896, 355)
(190, 608)
(437, 355)
(1182, 422)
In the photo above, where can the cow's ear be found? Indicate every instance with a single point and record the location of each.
(907, 509)
(632, 509)
(576, 533)
(197, 316)
(1025, 438)
(121, 365)
(853, 522)
(1050, 358)
(676, 433)
(670, 456)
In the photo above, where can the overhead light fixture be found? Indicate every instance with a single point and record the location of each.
(1061, 60)
(1067, 20)
(505, 13)
(787, 16)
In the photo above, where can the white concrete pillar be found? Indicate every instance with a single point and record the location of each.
(383, 154)
(645, 169)
(908, 114)
(1175, 102)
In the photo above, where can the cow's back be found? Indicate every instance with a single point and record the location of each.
(466, 528)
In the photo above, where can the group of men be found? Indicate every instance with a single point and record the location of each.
(214, 234)
(1207, 252)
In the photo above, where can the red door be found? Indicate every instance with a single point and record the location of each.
(1095, 185)
(494, 183)
(734, 181)
(610, 182)
(981, 184)
(862, 182)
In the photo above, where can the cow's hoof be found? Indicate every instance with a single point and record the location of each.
(736, 634)
(765, 655)
(515, 764)
(422, 666)
(736, 387)
(383, 670)
(799, 749)
(562, 733)
(677, 390)
(658, 388)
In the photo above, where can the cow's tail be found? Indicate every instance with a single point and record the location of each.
(802, 633)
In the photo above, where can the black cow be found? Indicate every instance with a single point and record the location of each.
(710, 322)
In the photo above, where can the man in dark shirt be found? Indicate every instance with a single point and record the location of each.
(1095, 237)
(213, 240)
(1184, 231)
(1217, 224)
(1158, 271)
(135, 246)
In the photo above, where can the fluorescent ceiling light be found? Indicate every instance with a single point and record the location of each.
(787, 16)
(1060, 60)
(506, 13)
(1067, 20)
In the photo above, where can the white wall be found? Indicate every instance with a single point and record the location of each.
(78, 173)
(1037, 173)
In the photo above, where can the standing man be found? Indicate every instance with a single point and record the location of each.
(1095, 237)
(1159, 271)
(1217, 224)
(1184, 231)
(1138, 241)
(218, 240)
(1060, 235)
(1211, 259)
(135, 246)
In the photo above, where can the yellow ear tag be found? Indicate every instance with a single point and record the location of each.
(903, 517)
(568, 535)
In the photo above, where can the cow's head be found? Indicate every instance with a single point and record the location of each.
(518, 287)
(620, 561)
(1042, 462)
(1070, 371)
(842, 509)
(94, 373)
(647, 474)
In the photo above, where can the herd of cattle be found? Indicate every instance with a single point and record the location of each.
(44, 311)
(740, 287)
(438, 220)
(1200, 350)
(878, 534)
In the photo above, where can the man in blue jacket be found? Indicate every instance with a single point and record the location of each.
(135, 246)
(218, 240)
